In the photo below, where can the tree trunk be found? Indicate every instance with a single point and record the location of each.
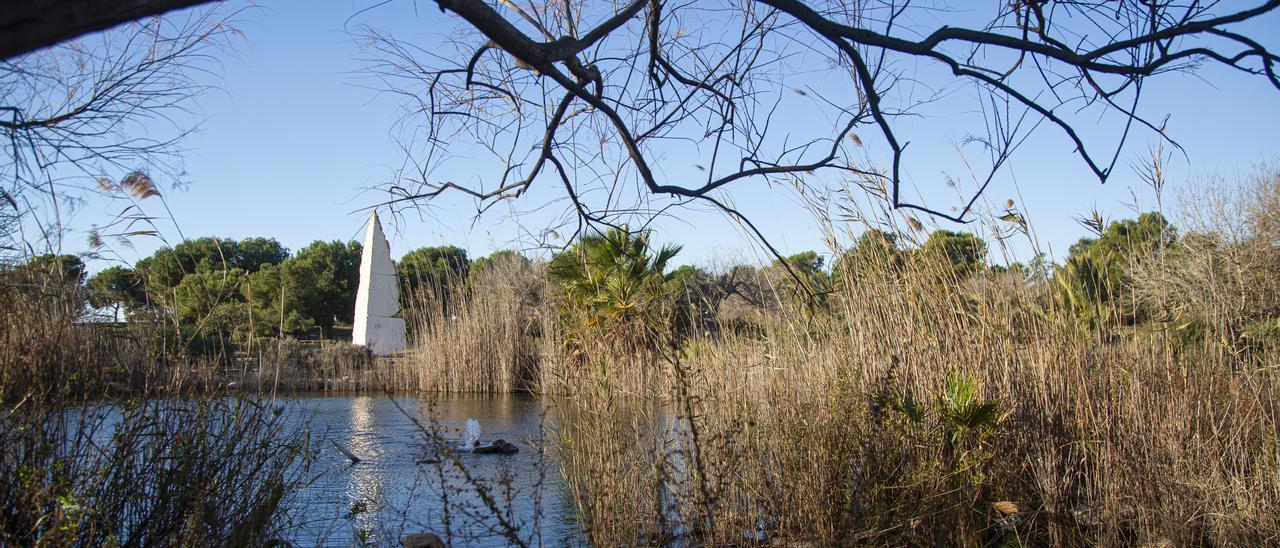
(28, 25)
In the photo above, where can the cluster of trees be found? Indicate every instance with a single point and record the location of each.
(808, 279)
(254, 286)
(216, 286)
(617, 281)
(251, 287)
(1131, 273)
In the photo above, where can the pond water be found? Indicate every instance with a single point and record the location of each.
(397, 488)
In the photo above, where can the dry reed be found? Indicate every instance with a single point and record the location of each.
(916, 406)
(97, 450)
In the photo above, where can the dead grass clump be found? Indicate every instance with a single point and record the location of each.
(193, 472)
(47, 346)
(1218, 284)
(105, 445)
(916, 409)
(488, 339)
(292, 365)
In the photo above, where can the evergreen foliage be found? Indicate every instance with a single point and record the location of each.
(614, 281)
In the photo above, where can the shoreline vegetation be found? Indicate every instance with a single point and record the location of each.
(913, 384)
(908, 393)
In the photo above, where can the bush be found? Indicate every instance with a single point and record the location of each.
(1222, 278)
(1265, 334)
(209, 472)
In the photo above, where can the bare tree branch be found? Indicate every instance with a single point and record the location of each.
(654, 80)
(28, 25)
(71, 115)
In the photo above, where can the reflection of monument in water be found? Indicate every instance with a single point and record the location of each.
(378, 299)
(365, 484)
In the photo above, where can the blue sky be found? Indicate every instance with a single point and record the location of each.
(289, 145)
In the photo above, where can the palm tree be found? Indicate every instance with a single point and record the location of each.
(613, 280)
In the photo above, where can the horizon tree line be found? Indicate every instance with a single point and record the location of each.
(257, 288)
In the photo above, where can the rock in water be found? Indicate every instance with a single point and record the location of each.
(498, 446)
(422, 540)
(378, 299)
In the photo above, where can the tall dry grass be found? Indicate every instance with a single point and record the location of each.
(47, 347)
(866, 426)
(486, 334)
(1219, 282)
(290, 366)
(923, 407)
(106, 444)
(913, 404)
(196, 471)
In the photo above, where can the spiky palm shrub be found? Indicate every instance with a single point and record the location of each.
(1082, 293)
(613, 286)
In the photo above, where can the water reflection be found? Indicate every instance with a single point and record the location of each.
(396, 494)
(364, 484)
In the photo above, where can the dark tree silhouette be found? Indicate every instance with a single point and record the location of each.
(28, 25)
(593, 97)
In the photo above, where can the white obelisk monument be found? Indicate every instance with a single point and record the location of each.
(378, 299)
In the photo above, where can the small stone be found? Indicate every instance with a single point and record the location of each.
(499, 446)
(422, 540)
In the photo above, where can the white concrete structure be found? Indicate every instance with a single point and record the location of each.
(378, 299)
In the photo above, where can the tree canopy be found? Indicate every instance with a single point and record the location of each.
(873, 250)
(166, 268)
(614, 277)
(226, 285)
(433, 266)
(117, 287)
(963, 251)
(49, 268)
(334, 270)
